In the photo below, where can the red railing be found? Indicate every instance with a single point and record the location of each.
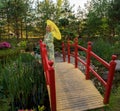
(110, 66)
(49, 75)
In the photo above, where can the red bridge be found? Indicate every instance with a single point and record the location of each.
(71, 90)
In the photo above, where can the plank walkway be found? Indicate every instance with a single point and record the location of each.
(73, 92)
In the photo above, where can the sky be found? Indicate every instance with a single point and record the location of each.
(77, 3)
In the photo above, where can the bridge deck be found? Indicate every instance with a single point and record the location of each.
(73, 92)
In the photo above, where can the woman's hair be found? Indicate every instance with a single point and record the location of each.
(48, 28)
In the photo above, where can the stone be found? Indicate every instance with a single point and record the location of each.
(117, 68)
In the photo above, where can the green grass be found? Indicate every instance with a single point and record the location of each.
(114, 104)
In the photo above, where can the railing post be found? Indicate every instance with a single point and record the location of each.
(89, 48)
(68, 46)
(43, 51)
(110, 79)
(45, 63)
(63, 51)
(52, 87)
(76, 52)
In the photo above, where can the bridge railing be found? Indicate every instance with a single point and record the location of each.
(49, 75)
(89, 53)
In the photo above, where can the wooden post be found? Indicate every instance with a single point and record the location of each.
(76, 52)
(46, 65)
(50, 75)
(44, 60)
(110, 79)
(52, 87)
(68, 45)
(88, 61)
(63, 51)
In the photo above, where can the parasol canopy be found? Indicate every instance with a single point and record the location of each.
(54, 30)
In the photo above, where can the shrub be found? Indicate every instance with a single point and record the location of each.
(21, 82)
(22, 44)
(4, 45)
(103, 49)
(8, 54)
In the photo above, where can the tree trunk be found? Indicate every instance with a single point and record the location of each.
(113, 32)
(26, 28)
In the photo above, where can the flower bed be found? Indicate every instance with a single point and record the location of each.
(4, 45)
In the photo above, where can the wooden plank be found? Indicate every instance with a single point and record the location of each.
(73, 92)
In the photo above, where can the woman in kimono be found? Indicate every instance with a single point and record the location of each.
(49, 41)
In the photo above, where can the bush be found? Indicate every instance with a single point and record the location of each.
(22, 44)
(8, 54)
(117, 48)
(21, 83)
(4, 45)
(103, 49)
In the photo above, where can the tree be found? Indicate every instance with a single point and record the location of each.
(3, 19)
(80, 20)
(67, 20)
(44, 10)
(58, 9)
(97, 18)
(16, 11)
(93, 24)
(114, 16)
(2, 22)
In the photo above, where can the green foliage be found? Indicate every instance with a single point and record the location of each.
(93, 24)
(20, 81)
(42, 108)
(96, 22)
(45, 10)
(4, 105)
(114, 104)
(22, 44)
(114, 11)
(64, 22)
(116, 48)
(26, 58)
(8, 54)
(15, 14)
(103, 49)
(117, 29)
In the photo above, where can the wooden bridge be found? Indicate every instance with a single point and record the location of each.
(71, 90)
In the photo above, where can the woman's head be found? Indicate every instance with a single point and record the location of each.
(48, 28)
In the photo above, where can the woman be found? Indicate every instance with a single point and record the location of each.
(48, 40)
